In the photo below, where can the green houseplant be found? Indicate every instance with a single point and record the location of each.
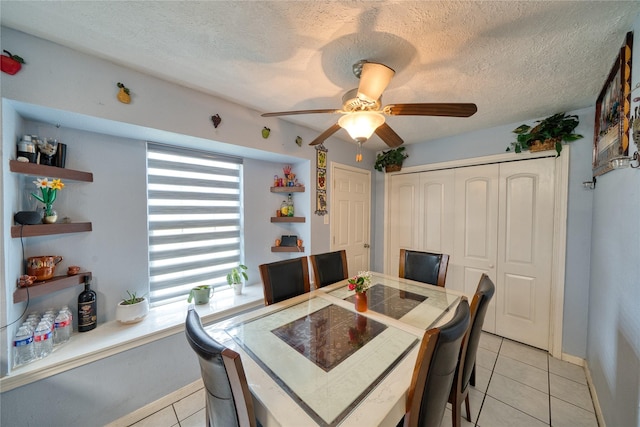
(132, 309)
(390, 160)
(548, 134)
(201, 294)
(235, 276)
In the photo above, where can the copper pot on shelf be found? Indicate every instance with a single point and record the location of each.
(42, 267)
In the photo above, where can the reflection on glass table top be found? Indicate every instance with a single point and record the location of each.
(326, 357)
(415, 304)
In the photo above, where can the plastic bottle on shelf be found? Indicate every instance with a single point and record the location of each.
(62, 330)
(23, 352)
(290, 209)
(43, 340)
(66, 309)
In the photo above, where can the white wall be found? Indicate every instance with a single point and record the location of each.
(613, 350)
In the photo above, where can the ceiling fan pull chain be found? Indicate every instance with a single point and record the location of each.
(359, 152)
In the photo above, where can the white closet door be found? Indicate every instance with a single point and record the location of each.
(420, 212)
(404, 210)
(525, 243)
(476, 229)
(436, 209)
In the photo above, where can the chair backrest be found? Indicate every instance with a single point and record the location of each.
(285, 279)
(229, 401)
(425, 267)
(328, 268)
(435, 369)
(479, 304)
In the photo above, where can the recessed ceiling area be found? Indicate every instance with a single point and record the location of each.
(514, 60)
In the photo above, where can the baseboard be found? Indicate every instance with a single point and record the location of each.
(159, 404)
(594, 396)
(573, 359)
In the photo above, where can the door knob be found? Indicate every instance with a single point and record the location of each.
(366, 246)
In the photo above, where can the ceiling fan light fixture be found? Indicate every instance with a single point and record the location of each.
(373, 81)
(361, 124)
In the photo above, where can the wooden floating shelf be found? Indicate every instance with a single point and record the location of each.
(287, 219)
(287, 248)
(299, 189)
(54, 284)
(52, 171)
(49, 229)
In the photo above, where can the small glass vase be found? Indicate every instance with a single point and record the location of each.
(50, 216)
(361, 301)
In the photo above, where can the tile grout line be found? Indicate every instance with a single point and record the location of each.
(488, 382)
(173, 407)
(549, 387)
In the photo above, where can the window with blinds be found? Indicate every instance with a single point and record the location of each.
(194, 220)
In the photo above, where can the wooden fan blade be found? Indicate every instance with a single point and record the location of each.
(291, 113)
(389, 136)
(326, 134)
(444, 109)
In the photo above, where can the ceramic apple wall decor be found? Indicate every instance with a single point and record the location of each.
(124, 95)
(10, 64)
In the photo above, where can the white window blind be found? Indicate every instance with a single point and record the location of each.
(194, 220)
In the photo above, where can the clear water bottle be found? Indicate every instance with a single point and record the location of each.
(66, 309)
(23, 351)
(62, 328)
(33, 320)
(43, 340)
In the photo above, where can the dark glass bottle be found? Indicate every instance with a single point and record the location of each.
(87, 316)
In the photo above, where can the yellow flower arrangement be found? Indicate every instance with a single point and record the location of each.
(49, 190)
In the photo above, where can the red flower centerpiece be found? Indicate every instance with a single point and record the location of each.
(360, 283)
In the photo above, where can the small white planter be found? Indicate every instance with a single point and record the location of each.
(132, 313)
(237, 288)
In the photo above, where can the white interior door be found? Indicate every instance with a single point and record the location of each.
(420, 211)
(404, 212)
(525, 246)
(351, 206)
(436, 210)
(476, 231)
(502, 223)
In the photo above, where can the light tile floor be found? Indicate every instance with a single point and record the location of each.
(516, 385)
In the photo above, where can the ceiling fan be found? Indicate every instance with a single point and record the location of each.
(362, 115)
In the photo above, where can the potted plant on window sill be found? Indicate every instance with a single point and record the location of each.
(235, 276)
(548, 134)
(390, 160)
(132, 309)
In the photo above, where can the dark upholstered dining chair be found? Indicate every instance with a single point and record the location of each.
(328, 268)
(229, 402)
(434, 371)
(467, 360)
(425, 267)
(285, 279)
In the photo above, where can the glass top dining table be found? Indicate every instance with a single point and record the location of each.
(314, 360)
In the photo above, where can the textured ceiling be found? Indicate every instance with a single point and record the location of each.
(515, 60)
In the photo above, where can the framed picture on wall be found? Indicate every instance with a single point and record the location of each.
(611, 130)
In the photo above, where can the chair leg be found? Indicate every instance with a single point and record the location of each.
(467, 407)
(455, 413)
(472, 379)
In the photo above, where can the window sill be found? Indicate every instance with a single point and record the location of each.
(113, 337)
